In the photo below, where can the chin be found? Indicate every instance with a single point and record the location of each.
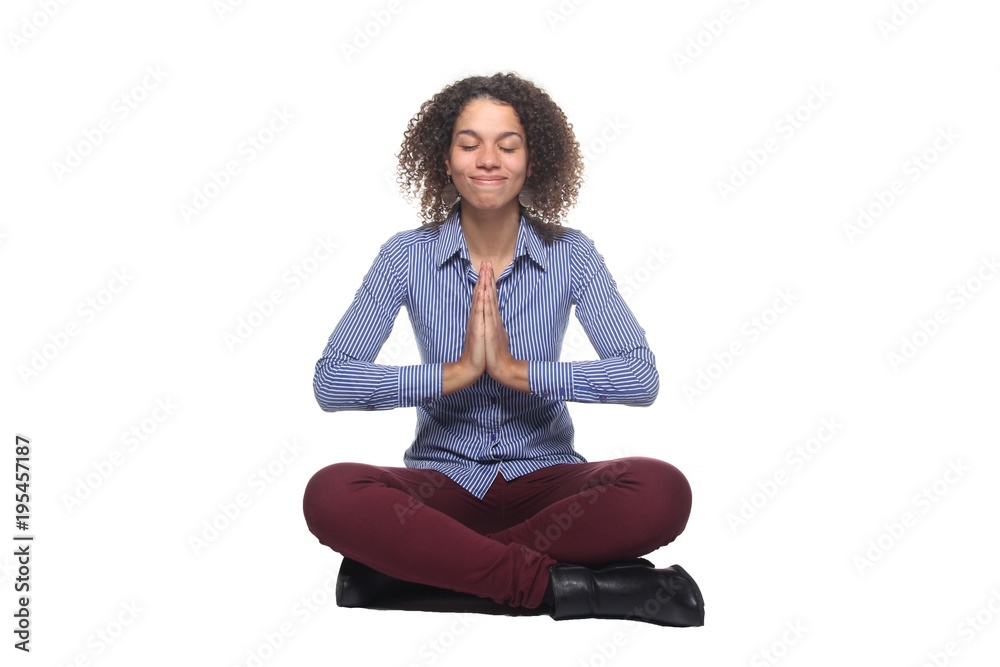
(489, 205)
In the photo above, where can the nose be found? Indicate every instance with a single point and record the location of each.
(488, 157)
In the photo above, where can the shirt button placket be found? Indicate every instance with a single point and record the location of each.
(495, 418)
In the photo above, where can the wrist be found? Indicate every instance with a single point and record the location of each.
(457, 375)
(513, 374)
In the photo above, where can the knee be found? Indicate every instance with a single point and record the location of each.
(668, 494)
(326, 496)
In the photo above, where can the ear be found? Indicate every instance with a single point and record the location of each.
(447, 165)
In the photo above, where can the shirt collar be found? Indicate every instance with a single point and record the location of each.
(451, 240)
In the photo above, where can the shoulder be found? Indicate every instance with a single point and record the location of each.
(575, 245)
(396, 254)
(409, 239)
(560, 239)
(402, 248)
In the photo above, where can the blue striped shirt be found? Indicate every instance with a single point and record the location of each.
(471, 434)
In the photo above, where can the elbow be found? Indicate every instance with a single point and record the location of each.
(324, 398)
(647, 380)
(326, 388)
(650, 388)
(344, 386)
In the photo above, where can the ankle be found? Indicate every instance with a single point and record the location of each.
(548, 599)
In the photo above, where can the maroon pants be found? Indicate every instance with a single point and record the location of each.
(418, 525)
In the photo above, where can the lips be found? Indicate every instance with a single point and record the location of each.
(487, 180)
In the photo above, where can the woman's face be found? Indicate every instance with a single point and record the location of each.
(488, 159)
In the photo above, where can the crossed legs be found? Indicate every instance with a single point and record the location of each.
(418, 525)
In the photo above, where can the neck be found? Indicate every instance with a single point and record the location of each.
(491, 234)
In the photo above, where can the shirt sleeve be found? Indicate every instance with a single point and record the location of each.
(346, 376)
(626, 371)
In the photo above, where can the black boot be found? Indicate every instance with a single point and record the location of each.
(667, 596)
(361, 586)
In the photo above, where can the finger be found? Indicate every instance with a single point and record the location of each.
(480, 283)
(491, 283)
(481, 301)
(487, 308)
(475, 311)
(490, 294)
(483, 284)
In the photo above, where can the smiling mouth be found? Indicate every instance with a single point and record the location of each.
(487, 181)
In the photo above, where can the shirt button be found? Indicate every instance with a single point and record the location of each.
(603, 398)
(545, 394)
(494, 400)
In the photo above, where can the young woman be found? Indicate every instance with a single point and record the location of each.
(493, 499)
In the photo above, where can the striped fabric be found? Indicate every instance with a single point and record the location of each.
(470, 435)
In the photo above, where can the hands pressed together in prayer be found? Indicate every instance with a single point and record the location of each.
(487, 346)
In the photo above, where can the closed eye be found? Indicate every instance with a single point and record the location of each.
(472, 148)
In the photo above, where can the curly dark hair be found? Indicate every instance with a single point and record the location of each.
(553, 151)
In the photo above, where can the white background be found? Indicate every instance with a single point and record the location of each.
(661, 135)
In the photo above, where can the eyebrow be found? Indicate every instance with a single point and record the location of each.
(503, 135)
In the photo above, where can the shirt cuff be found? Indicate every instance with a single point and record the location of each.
(552, 380)
(419, 384)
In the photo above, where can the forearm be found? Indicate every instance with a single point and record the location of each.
(631, 379)
(514, 374)
(356, 385)
(456, 376)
